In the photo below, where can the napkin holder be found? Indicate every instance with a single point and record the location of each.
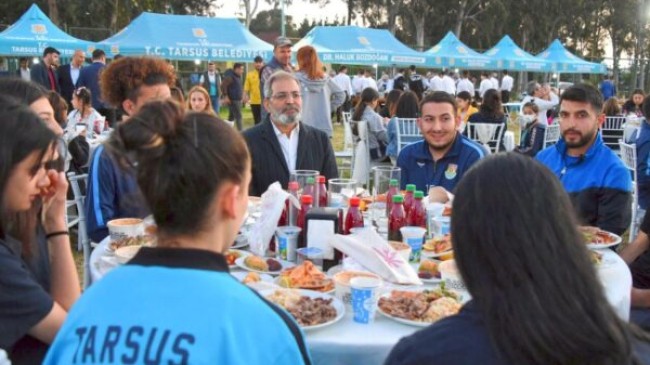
(321, 224)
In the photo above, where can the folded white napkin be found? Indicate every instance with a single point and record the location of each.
(264, 227)
(375, 254)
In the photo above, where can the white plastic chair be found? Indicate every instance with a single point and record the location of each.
(612, 131)
(628, 155)
(83, 241)
(346, 155)
(487, 134)
(551, 135)
(361, 164)
(407, 132)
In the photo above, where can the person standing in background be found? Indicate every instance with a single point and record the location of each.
(465, 84)
(506, 86)
(211, 81)
(233, 92)
(68, 75)
(43, 73)
(23, 71)
(252, 90)
(343, 81)
(281, 61)
(89, 78)
(607, 88)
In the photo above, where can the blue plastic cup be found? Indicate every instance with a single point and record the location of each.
(364, 293)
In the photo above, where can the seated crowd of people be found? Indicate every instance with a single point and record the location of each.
(183, 164)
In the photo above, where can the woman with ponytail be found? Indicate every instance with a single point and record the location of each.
(194, 173)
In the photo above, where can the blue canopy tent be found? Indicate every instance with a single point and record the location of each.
(34, 32)
(508, 56)
(451, 52)
(187, 37)
(352, 45)
(563, 61)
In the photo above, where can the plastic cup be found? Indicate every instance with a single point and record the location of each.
(286, 242)
(414, 237)
(313, 254)
(439, 226)
(451, 276)
(365, 293)
(339, 191)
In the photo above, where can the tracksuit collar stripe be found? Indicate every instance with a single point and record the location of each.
(180, 258)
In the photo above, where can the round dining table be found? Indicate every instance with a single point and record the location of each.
(348, 342)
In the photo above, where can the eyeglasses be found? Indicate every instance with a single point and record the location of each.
(284, 95)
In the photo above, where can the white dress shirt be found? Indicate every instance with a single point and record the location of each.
(370, 82)
(289, 145)
(506, 83)
(358, 83)
(436, 84)
(74, 73)
(448, 84)
(343, 81)
(495, 83)
(465, 85)
(25, 74)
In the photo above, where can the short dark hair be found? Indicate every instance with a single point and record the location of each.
(182, 161)
(98, 53)
(343, 68)
(439, 97)
(465, 95)
(49, 50)
(584, 93)
(505, 72)
(258, 59)
(237, 65)
(412, 67)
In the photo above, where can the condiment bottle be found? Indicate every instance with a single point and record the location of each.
(322, 192)
(353, 218)
(310, 188)
(396, 219)
(408, 197)
(305, 206)
(393, 189)
(417, 216)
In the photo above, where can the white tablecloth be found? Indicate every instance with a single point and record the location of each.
(347, 342)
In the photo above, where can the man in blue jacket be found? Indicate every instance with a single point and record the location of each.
(598, 183)
(113, 192)
(443, 157)
(89, 78)
(233, 92)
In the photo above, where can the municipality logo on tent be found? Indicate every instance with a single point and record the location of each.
(199, 33)
(39, 29)
(364, 41)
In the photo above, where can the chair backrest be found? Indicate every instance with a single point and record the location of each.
(361, 158)
(348, 138)
(628, 155)
(487, 134)
(407, 132)
(612, 131)
(551, 135)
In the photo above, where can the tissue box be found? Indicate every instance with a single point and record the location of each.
(321, 224)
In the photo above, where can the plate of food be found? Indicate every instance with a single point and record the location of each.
(263, 265)
(305, 276)
(597, 239)
(145, 240)
(428, 271)
(250, 277)
(419, 308)
(438, 247)
(312, 310)
(232, 255)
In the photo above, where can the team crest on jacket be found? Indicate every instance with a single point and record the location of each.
(450, 173)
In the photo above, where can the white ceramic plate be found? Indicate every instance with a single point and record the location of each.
(431, 254)
(276, 281)
(336, 303)
(426, 281)
(404, 320)
(240, 242)
(599, 246)
(285, 265)
(240, 275)
(241, 254)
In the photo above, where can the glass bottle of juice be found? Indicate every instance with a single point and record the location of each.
(393, 189)
(310, 188)
(305, 206)
(396, 219)
(353, 218)
(293, 211)
(417, 216)
(322, 192)
(408, 198)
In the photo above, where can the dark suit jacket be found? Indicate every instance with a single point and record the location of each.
(314, 153)
(89, 77)
(39, 75)
(65, 82)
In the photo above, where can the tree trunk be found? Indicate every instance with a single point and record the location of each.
(615, 59)
(393, 10)
(114, 15)
(419, 32)
(54, 11)
(350, 8)
(460, 18)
